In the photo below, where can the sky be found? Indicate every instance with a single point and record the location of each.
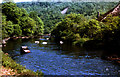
(63, 0)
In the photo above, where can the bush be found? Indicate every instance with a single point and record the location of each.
(81, 41)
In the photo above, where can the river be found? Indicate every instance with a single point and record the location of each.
(60, 59)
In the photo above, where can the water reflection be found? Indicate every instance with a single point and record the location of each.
(56, 59)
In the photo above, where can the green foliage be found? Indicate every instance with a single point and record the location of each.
(17, 30)
(93, 28)
(77, 29)
(9, 27)
(10, 63)
(17, 22)
(50, 12)
(11, 11)
(39, 24)
(112, 22)
(4, 31)
(27, 25)
(68, 28)
(111, 28)
(81, 41)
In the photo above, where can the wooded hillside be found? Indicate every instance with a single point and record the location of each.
(50, 12)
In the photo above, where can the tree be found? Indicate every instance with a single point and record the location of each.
(4, 31)
(9, 27)
(17, 21)
(50, 12)
(27, 25)
(111, 28)
(39, 23)
(69, 28)
(93, 28)
(17, 30)
(12, 12)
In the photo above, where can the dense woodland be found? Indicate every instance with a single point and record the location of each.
(18, 22)
(50, 13)
(77, 29)
(78, 25)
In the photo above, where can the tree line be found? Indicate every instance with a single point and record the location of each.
(77, 29)
(79, 24)
(18, 22)
(50, 12)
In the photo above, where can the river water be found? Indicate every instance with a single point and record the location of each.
(57, 59)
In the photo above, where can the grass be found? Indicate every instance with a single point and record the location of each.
(8, 62)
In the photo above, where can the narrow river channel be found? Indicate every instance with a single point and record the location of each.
(56, 59)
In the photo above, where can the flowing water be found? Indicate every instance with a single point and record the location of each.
(56, 59)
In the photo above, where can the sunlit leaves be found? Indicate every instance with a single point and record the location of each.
(27, 25)
(17, 30)
(75, 27)
(68, 28)
(39, 23)
(16, 21)
(93, 28)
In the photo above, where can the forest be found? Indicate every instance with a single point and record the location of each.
(18, 22)
(79, 26)
(79, 23)
(77, 29)
(50, 12)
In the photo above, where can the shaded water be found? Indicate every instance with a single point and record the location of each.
(56, 59)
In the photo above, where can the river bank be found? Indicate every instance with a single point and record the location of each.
(59, 59)
(7, 71)
(10, 67)
(4, 41)
(31, 43)
(110, 49)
